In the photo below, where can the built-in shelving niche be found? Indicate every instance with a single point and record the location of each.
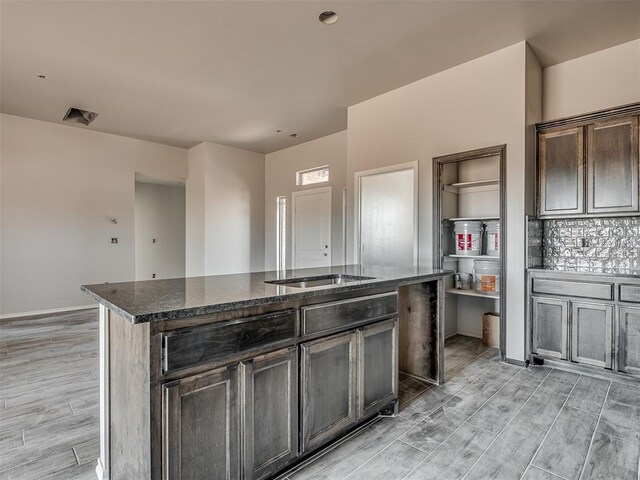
(468, 186)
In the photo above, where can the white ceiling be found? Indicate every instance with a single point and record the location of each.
(233, 72)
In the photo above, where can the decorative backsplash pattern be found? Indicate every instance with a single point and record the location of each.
(535, 230)
(610, 245)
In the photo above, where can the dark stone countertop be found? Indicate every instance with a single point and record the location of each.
(630, 273)
(154, 300)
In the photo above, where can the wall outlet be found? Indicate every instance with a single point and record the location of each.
(114, 239)
(154, 241)
(153, 275)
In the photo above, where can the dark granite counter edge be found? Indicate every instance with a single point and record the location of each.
(255, 302)
(590, 274)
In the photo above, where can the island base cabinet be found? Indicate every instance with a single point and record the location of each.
(550, 319)
(201, 426)
(270, 412)
(592, 334)
(377, 366)
(629, 334)
(328, 393)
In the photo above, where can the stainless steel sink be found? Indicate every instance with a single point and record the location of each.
(319, 281)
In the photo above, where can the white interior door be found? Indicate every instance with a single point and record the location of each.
(312, 228)
(387, 207)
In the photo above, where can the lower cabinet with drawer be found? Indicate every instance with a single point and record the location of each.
(345, 378)
(251, 414)
(579, 327)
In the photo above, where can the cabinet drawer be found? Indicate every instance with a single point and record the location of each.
(344, 313)
(600, 291)
(630, 293)
(188, 347)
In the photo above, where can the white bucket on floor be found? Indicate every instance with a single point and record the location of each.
(492, 230)
(468, 238)
(487, 276)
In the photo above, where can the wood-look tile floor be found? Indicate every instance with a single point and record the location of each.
(49, 397)
(490, 420)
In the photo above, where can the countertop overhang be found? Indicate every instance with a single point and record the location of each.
(157, 300)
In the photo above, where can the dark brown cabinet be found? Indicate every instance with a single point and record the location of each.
(602, 319)
(612, 153)
(629, 340)
(561, 166)
(328, 387)
(550, 317)
(269, 412)
(208, 417)
(589, 165)
(592, 334)
(201, 426)
(377, 366)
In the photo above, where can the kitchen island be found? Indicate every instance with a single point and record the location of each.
(245, 375)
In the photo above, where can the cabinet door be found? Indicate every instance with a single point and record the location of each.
(270, 412)
(377, 366)
(612, 179)
(629, 331)
(592, 334)
(561, 172)
(201, 426)
(328, 388)
(550, 323)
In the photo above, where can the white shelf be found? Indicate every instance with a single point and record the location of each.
(473, 293)
(475, 183)
(469, 219)
(475, 257)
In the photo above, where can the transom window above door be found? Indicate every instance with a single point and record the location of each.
(312, 175)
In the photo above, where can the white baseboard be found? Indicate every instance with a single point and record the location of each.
(5, 316)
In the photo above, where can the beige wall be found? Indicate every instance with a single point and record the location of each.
(280, 180)
(601, 80)
(160, 215)
(477, 104)
(59, 185)
(225, 210)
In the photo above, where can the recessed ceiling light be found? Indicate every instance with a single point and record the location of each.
(328, 17)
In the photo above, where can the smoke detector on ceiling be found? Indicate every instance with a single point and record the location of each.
(75, 115)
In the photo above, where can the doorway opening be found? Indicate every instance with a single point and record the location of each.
(160, 221)
(470, 239)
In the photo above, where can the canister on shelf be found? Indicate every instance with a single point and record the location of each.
(468, 237)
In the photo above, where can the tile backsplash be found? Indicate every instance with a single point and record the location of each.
(610, 245)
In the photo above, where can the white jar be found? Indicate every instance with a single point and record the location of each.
(492, 230)
(468, 236)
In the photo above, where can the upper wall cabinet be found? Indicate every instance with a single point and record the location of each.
(561, 165)
(612, 152)
(589, 165)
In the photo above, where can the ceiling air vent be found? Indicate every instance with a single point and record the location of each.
(75, 115)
